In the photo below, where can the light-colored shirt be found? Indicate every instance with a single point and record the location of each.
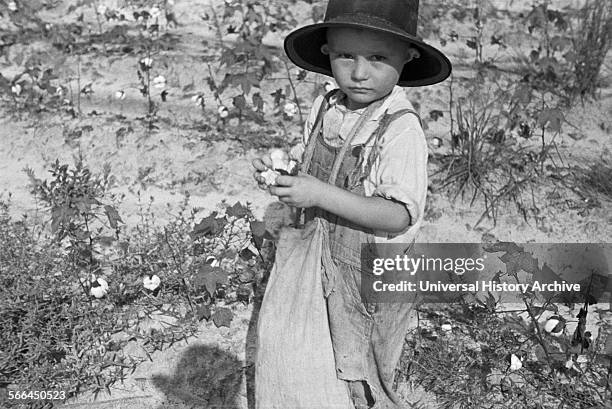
(400, 172)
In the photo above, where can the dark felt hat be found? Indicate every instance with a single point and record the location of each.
(396, 17)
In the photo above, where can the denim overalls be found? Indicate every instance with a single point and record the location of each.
(367, 338)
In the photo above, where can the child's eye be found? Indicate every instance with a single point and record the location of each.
(378, 58)
(345, 55)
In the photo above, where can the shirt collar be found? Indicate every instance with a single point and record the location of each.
(396, 93)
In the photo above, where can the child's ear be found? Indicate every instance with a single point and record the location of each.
(325, 49)
(411, 54)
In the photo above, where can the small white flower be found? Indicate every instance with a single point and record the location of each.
(147, 62)
(159, 81)
(212, 260)
(151, 282)
(12, 6)
(198, 100)
(102, 9)
(155, 12)
(16, 89)
(120, 95)
(99, 287)
(328, 86)
(223, 111)
(515, 363)
(290, 109)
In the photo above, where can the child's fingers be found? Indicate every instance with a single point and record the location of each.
(280, 191)
(266, 160)
(286, 181)
(257, 176)
(259, 164)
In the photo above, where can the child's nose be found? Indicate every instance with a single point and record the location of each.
(360, 69)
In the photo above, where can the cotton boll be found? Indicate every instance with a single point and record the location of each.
(290, 109)
(99, 287)
(120, 95)
(223, 112)
(554, 326)
(280, 159)
(159, 81)
(515, 363)
(151, 282)
(292, 168)
(270, 177)
(155, 12)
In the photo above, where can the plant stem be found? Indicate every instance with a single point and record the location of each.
(79, 83)
(295, 98)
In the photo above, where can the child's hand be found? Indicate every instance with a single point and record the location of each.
(302, 190)
(261, 165)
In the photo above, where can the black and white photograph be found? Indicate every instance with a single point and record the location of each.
(305, 204)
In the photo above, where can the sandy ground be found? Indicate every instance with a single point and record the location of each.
(180, 158)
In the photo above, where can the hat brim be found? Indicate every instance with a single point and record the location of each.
(303, 47)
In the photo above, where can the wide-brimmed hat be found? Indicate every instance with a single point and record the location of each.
(396, 17)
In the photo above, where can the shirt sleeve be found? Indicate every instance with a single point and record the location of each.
(297, 151)
(400, 173)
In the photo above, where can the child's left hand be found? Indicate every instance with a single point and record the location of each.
(302, 190)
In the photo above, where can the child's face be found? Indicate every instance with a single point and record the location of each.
(365, 64)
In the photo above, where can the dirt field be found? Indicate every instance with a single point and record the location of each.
(194, 152)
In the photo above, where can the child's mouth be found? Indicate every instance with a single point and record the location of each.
(359, 90)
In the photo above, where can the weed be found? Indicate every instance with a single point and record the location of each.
(60, 332)
(591, 42)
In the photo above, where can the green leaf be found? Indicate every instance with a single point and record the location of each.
(203, 313)
(237, 210)
(222, 317)
(209, 226)
(258, 231)
(208, 277)
(239, 102)
(113, 216)
(552, 118)
(518, 261)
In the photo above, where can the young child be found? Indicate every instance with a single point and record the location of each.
(369, 134)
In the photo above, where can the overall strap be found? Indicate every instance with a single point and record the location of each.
(357, 174)
(363, 118)
(316, 128)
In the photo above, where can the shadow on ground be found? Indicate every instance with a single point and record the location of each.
(204, 377)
